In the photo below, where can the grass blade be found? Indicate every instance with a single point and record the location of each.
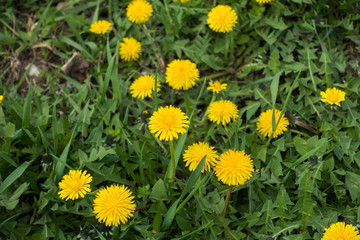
(26, 119)
(193, 179)
(13, 176)
(39, 23)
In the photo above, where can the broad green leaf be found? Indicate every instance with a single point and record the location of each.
(158, 192)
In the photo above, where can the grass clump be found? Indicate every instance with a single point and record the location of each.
(179, 119)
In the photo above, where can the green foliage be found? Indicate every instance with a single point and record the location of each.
(280, 55)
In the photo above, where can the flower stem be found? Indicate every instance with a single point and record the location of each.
(167, 11)
(208, 133)
(215, 75)
(227, 199)
(200, 186)
(172, 161)
(212, 100)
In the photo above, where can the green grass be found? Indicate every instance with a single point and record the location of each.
(280, 55)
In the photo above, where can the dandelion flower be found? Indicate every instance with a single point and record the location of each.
(167, 122)
(1, 99)
(341, 231)
(181, 74)
(113, 205)
(130, 49)
(264, 125)
(74, 185)
(234, 167)
(222, 111)
(100, 27)
(144, 86)
(139, 11)
(263, 1)
(333, 96)
(222, 18)
(216, 86)
(182, 1)
(196, 152)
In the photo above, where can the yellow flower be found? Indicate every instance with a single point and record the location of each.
(216, 86)
(182, 1)
(167, 122)
(139, 11)
(339, 231)
(181, 74)
(144, 86)
(263, 1)
(222, 18)
(222, 111)
(130, 49)
(234, 167)
(74, 185)
(100, 27)
(264, 125)
(113, 205)
(195, 153)
(1, 99)
(333, 96)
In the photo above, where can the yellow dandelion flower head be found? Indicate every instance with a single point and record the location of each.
(130, 49)
(139, 11)
(264, 125)
(222, 111)
(74, 185)
(182, 1)
(144, 86)
(341, 231)
(181, 74)
(234, 167)
(263, 1)
(216, 86)
(1, 99)
(195, 153)
(100, 27)
(222, 18)
(333, 96)
(168, 122)
(113, 205)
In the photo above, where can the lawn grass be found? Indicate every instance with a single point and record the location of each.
(280, 55)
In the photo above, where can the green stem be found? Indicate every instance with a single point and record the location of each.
(109, 9)
(227, 47)
(172, 152)
(141, 164)
(226, 130)
(215, 75)
(227, 199)
(157, 50)
(155, 91)
(299, 132)
(212, 100)
(168, 12)
(200, 186)
(210, 130)
(231, 46)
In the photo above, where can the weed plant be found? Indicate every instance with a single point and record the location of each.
(282, 55)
